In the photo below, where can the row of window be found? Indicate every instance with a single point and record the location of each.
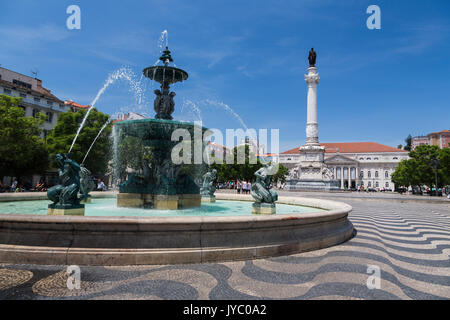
(369, 174)
(36, 99)
(369, 158)
(376, 184)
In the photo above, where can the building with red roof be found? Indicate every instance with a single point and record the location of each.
(75, 106)
(440, 139)
(355, 164)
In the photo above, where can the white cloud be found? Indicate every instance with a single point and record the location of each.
(23, 36)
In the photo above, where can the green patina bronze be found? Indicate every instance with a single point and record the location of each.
(208, 188)
(65, 194)
(166, 75)
(261, 190)
(155, 173)
(158, 174)
(86, 183)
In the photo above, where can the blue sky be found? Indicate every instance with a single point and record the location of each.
(376, 85)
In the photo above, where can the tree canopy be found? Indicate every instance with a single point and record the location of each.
(408, 142)
(60, 139)
(22, 150)
(244, 171)
(426, 163)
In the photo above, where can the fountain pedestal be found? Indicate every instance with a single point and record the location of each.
(208, 199)
(158, 201)
(87, 200)
(263, 208)
(60, 210)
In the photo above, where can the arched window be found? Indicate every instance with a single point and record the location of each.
(369, 174)
(376, 174)
(375, 158)
(386, 174)
(369, 158)
(387, 184)
(376, 184)
(361, 174)
(369, 184)
(395, 158)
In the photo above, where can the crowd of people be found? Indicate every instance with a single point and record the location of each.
(41, 186)
(243, 187)
(16, 186)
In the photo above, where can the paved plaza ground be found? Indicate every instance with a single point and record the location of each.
(407, 237)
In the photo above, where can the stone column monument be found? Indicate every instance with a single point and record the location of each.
(311, 173)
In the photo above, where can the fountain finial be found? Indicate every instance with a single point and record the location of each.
(166, 57)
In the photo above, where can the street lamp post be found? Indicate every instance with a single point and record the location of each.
(435, 164)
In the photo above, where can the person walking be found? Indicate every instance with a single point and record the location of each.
(249, 186)
(14, 185)
(244, 187)
(238, 186)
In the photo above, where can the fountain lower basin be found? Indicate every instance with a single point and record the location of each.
(65, 240)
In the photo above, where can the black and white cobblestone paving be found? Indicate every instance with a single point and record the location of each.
(409, 242)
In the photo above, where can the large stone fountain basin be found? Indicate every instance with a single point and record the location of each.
(67, 240)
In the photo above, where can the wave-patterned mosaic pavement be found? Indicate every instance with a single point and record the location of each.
(409, 242)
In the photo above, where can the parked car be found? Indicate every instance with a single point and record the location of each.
(417, 190)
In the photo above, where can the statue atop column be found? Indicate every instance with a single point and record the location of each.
(312, 58)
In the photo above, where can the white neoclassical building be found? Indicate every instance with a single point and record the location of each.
(355, 164)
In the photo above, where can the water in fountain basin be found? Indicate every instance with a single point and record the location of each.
(108, 207)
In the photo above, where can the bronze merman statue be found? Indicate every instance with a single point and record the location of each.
(66, 193)
(312, 58)
(208, 187)
(261, 190)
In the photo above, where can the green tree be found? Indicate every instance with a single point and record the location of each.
(22, 150)
(426, 165)
(444, 165)
(408, 142)
(60, 139)
(406, 173)
(281, 174)
(233, 171)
